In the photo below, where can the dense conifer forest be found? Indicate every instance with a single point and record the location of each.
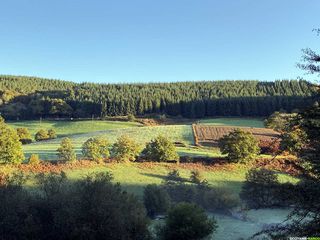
(30, 97)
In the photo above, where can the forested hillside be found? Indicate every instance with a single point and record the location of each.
(30, 97)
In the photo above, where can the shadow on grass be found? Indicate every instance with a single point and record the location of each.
(154, 175)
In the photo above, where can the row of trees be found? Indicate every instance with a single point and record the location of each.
(97, 149)
(90, 208)
(63, 209)
(29, 98)
(26, 138)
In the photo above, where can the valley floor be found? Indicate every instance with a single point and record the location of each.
(135, 176)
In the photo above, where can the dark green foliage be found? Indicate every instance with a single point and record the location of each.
(187, 221)
(279, 121)
(210, 198)
(24, 135)
(216, 199)
(258, 189)
(293, 141)
(262, 189)
(10, 145)
(59, 108)
(66, 151)
(160, 149)
(96, 149)
(30, 98)
(156, 200)
(310, 124)
(304, 220)
(240, 146)
(92, 208)
(173, 176)
(125, 149)
(311, 60)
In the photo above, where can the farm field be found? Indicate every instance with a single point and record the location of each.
(207, 134)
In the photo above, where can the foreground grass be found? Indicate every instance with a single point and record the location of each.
(135, 176)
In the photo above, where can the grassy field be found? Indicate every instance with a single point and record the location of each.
(235, 229)
(239, 122)
(135, 176)
(67, 128)
(47, 149)
(80, 131)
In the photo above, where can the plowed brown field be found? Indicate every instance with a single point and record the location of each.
(209, 135)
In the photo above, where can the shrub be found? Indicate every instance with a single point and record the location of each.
(34, 159)
(41, 135)
(66, 151)
(181, 192)
(131, 118)
(203, 195)
(90, 208)
(96, 149)
(125, 149)
(240, 146)
(259, 188)
(156, 200)
(45, 135)
(52, 134)
(10, 146)
(24, 135)
(187, 221)
(173, 176)
(160, 149)
(293, 141)
(280, 121)
(196, 177)
(219, 199)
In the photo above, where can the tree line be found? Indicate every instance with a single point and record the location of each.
(30, 98)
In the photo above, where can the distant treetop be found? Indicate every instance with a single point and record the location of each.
(30, 97)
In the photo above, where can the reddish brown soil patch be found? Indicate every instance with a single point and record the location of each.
(163, 121)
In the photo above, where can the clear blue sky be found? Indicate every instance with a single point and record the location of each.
(149, 40)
